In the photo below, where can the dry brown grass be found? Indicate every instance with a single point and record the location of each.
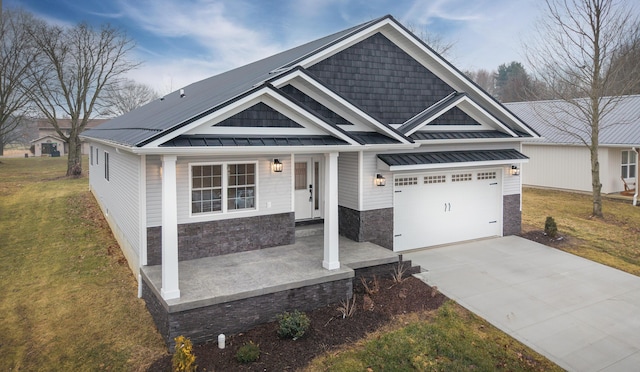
(612, 241)
(69, 300)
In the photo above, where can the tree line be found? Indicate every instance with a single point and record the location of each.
(63, 72)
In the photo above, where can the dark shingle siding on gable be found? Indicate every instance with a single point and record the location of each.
(259, 116)
(422, 136)
(455, 116)
(311, 104)
(382, 79)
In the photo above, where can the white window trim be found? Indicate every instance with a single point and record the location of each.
(225, 187)
(631, 160)
(107, 170)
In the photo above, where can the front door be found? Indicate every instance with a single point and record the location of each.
(307, 191)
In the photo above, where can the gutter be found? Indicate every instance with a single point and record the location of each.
(635, 197)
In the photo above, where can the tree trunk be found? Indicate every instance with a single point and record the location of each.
(74, 162)
(596, 185)
(1, 145)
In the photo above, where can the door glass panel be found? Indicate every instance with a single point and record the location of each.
(316, 176)
(301, 176)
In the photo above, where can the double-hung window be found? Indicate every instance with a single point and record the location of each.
(218, 188)
(629, 164)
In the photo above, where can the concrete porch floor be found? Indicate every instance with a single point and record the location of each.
(220, 279)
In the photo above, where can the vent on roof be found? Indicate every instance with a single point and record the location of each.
(181, 93)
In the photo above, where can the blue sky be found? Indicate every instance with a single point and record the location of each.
(184, 41)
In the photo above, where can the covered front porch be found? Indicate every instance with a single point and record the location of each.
(235, 292)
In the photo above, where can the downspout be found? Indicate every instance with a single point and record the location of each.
(635, 196)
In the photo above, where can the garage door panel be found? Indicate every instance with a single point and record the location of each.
(441, 208)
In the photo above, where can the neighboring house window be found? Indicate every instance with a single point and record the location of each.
(91, 155)
(97, 157)
(106, 166)
(629, 163)
(222, 187)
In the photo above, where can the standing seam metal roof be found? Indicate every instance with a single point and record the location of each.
(447, 157)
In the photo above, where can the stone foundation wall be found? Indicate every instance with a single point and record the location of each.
(511, 215)
(375, 226)
(215, 238)
(206, 323)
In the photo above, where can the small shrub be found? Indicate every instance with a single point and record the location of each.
(347, 308)
(293, 325)
(183, 359)
(550, 227)
(248, 353)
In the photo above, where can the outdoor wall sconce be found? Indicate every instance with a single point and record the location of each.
(515, 170)
(277, 166)
(380, 180)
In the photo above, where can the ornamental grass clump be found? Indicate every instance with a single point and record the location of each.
(183, 359)
(293, 325)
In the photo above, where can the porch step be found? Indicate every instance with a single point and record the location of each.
(309, 230)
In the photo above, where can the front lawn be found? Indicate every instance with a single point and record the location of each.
(612, 241)
(69, 301)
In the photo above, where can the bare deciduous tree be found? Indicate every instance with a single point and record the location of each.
(485, 79)
(17, 56)
(124, 96)
(433, 40)
(77, 63)
(576, 43)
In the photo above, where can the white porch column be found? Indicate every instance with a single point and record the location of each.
(331, 250)
(170, 287)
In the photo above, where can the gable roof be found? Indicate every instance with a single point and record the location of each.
(621, 126)
(169, 117)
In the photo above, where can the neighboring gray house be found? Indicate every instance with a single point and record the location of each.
(367, 131)
(559, 160)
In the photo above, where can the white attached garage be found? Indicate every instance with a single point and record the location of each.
(444, 207)
(448, 196)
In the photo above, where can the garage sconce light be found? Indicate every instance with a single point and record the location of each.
(277, 166)
(515, 170)
(380, 180)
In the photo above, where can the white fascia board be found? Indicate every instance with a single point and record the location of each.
(468, 140)
(247, 100)
(242, 150)
(417, 167)
(284, 80)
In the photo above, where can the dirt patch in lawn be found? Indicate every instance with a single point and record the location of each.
(328, 331)
(561, 241)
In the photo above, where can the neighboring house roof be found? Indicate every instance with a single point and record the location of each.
(620, 126)
(354, 110)
(66, 123)
(45, 137)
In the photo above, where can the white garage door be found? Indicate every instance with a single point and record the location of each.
(446, 207)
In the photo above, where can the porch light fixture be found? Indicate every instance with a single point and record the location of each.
(277, 166)
(515, 170)
(380, 180)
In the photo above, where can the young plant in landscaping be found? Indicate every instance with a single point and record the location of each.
(183, 359)
(550, 227)
(375, 285)
(398, 273)
(347, 308)
(293, 325)
(248, 353)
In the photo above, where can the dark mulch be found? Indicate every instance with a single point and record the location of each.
(328, 330)
(539, 236)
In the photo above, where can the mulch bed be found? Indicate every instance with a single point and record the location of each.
(328, 331)
(539, 236)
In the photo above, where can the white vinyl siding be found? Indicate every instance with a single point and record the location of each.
(511, 185)
(569, 167)
(375, 197)
(348, 180)
(119, 197)
(273, 189)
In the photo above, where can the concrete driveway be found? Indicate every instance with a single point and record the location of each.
(582, 315)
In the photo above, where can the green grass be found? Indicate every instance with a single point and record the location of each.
(69, 300)
(612, 241)
(452, 340)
